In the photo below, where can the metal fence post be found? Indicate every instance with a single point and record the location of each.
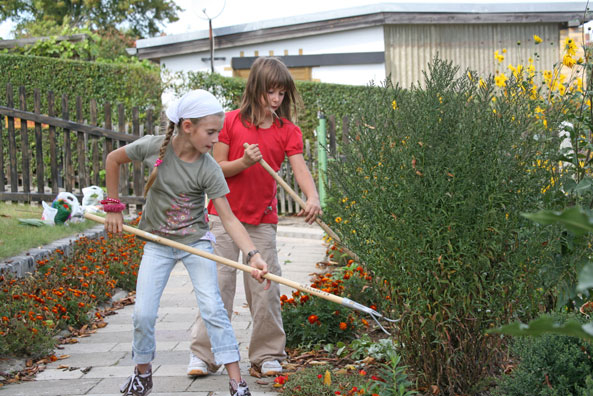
(321, 158)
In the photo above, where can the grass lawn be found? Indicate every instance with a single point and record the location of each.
(16, 238)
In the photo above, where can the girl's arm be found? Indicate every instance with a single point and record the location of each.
(220, 152)
(303, 177)
(235, 229)
(114, 221)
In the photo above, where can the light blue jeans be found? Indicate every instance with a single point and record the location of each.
(156, 266)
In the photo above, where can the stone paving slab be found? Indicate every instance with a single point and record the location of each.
(108, 351)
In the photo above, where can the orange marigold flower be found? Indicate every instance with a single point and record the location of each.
(362, 372)
(365, 322)
(343, 326)
(81, 304)
(313, 319)
(281, 379)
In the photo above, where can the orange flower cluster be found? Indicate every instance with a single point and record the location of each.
(66, 287)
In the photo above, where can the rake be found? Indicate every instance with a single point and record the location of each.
(274, 278)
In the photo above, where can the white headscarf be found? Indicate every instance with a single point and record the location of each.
(194, 104)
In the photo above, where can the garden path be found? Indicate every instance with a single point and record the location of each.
(107, 352)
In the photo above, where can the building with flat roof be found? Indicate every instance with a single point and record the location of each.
(357, 45)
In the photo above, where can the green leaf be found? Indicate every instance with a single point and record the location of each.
(574, 219)
(547, 325)
(33, 222)
(585, 278)
(584, 185)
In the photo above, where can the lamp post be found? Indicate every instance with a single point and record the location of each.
(211, 34)
(211, 41)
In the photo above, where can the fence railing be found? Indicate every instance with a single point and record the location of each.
(44, 154)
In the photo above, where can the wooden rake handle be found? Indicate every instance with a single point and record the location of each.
(225, 261)
(302, 204)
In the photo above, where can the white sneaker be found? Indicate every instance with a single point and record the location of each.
(271, 367)
(196, 366)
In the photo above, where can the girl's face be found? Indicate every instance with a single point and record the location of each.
(274, 97)
(204, 134)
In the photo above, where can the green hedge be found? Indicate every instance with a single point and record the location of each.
(129, 85)
(331, 99)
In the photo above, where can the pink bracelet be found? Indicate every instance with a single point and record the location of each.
(110, 201)
(114, 207)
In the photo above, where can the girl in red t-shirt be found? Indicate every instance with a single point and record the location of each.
(264, 122)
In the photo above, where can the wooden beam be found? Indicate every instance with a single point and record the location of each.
(74, 126)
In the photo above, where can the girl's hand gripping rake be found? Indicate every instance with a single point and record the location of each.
(302, 204)
(275, 278)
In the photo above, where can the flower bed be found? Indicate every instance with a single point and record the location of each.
(64, 292)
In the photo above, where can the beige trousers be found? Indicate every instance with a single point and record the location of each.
(267, 333)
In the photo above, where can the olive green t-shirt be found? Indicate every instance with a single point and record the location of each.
(175, 205)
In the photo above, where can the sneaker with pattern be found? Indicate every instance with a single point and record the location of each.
(239, 389)
(137, 384)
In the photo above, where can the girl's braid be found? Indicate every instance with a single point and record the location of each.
(162, 150)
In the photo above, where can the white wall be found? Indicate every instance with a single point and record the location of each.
(360, 40)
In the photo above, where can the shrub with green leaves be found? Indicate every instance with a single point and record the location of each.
(430, 197)
(130, 85)
(549, 365)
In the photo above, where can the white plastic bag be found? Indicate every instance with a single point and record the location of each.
(92, 195)
(49, 213)
(91, 199)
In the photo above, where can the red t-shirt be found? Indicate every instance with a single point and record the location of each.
(253, 191)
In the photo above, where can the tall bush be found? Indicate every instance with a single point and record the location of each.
(430, 197)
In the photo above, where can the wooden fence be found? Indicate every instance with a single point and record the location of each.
(44, 154)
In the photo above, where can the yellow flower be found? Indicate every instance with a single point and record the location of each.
(501, 80)
(499, 57)
(570, 47)
(338, 219)
(561, 89)
(568, 60)
(394, 104)
(537, 39)
(482, 83)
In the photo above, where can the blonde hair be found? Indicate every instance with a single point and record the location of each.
(268, 73)
(163, 149)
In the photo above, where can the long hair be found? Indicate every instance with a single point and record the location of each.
(163, 149)
(268, 73)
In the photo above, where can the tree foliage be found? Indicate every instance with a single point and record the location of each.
(142, 17)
